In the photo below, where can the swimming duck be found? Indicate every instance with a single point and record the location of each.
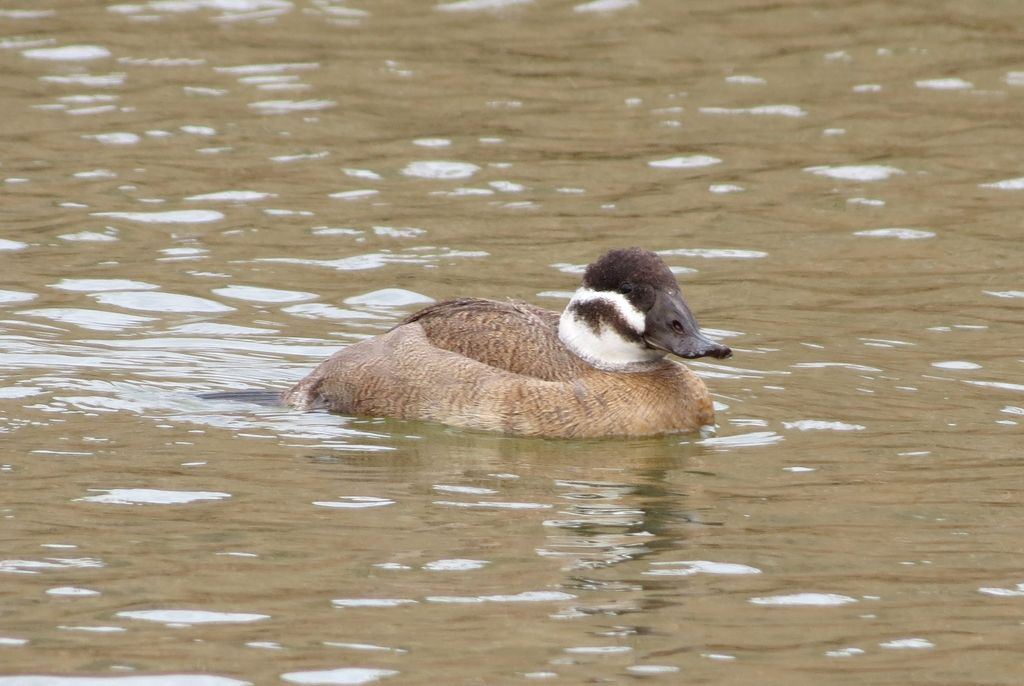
(599, 368)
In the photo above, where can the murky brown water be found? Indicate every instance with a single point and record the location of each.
(204, 195)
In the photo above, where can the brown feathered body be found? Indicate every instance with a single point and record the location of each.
(500, 366)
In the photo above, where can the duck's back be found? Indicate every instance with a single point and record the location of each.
(512, 336)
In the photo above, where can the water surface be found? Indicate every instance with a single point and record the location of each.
(207, 196)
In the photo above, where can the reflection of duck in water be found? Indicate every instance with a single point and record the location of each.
(599, 369)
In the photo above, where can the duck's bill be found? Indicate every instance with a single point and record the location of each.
(670, 326)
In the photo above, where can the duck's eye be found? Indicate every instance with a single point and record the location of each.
(626, 288)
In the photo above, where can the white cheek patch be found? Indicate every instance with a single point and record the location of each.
(633, 317)
(606, 349)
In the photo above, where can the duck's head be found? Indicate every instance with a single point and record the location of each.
(630, 313)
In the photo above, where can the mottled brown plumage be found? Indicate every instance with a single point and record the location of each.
(500, 366)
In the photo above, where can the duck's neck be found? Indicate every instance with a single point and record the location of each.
(605, 330)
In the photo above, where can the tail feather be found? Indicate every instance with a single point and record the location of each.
(254, 396)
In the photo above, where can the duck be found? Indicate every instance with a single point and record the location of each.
(600, 368)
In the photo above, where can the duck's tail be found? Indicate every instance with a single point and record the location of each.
(253, 396)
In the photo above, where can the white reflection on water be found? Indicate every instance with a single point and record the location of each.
(115, 138)
(343, 675)
(946, 84)
(89, 236)
(1016, 184)
(722, 188)
(845, 652)
(50, 563)
(753, 439)
(907, 643)
(324, 311)
(95, 173)
(192, 616)
(760, 110)
(360, 173)
(690, 567)
(856, 172)
(370, 647)
(605, 5)
(168, 217)
(804, 599)
(1004, 592)
(157, 301)
(652, 669)
(96, 320)
(998, 384)
(372, 602)
(900, 233)
(477, 5)
(956, 364)
(389, 297)
(232, 196)
(432, 142)
(7, 244)
(845, 365)
(268, 68)
(524, 597)
(358, 194)
(424, 256)
(150, 496)
(286, 106)
(96, 285)
(471, 490)
(440, 169)
(497, 505)
(355, 502)
(599, 650)
(715, 253)
(16, 296)
(111, 80)
(68, 53)
(263, 295)
(71, 592)
(821, 425)
(455, 565)
(685, 162)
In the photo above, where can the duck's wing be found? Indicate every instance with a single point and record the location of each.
(512, 336)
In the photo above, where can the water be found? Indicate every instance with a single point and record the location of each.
(208, 196)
